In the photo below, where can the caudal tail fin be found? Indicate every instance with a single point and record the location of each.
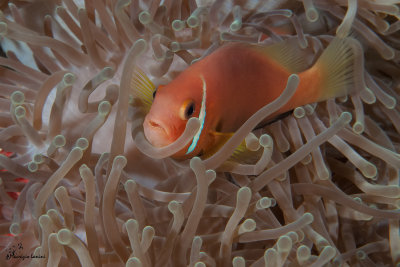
(341, 68)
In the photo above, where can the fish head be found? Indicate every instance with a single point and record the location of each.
(174, 104)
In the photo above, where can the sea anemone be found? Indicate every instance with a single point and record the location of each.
(81, 186)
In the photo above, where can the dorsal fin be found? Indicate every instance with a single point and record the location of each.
(142, 88)
(288, 54)
(339, 68)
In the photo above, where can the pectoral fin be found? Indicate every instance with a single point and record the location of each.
(219, 139)
(240, 154)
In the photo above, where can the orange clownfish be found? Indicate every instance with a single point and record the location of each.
(228, 86)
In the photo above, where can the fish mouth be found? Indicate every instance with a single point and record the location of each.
(156, 132)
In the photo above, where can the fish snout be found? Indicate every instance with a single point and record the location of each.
(156, 132)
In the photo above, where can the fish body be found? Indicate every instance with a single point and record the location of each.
(225, 88)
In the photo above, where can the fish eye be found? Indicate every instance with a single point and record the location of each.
(187, 109)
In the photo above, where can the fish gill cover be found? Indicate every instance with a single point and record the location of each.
(81, 186)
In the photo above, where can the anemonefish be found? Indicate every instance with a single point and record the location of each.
(228, 86)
